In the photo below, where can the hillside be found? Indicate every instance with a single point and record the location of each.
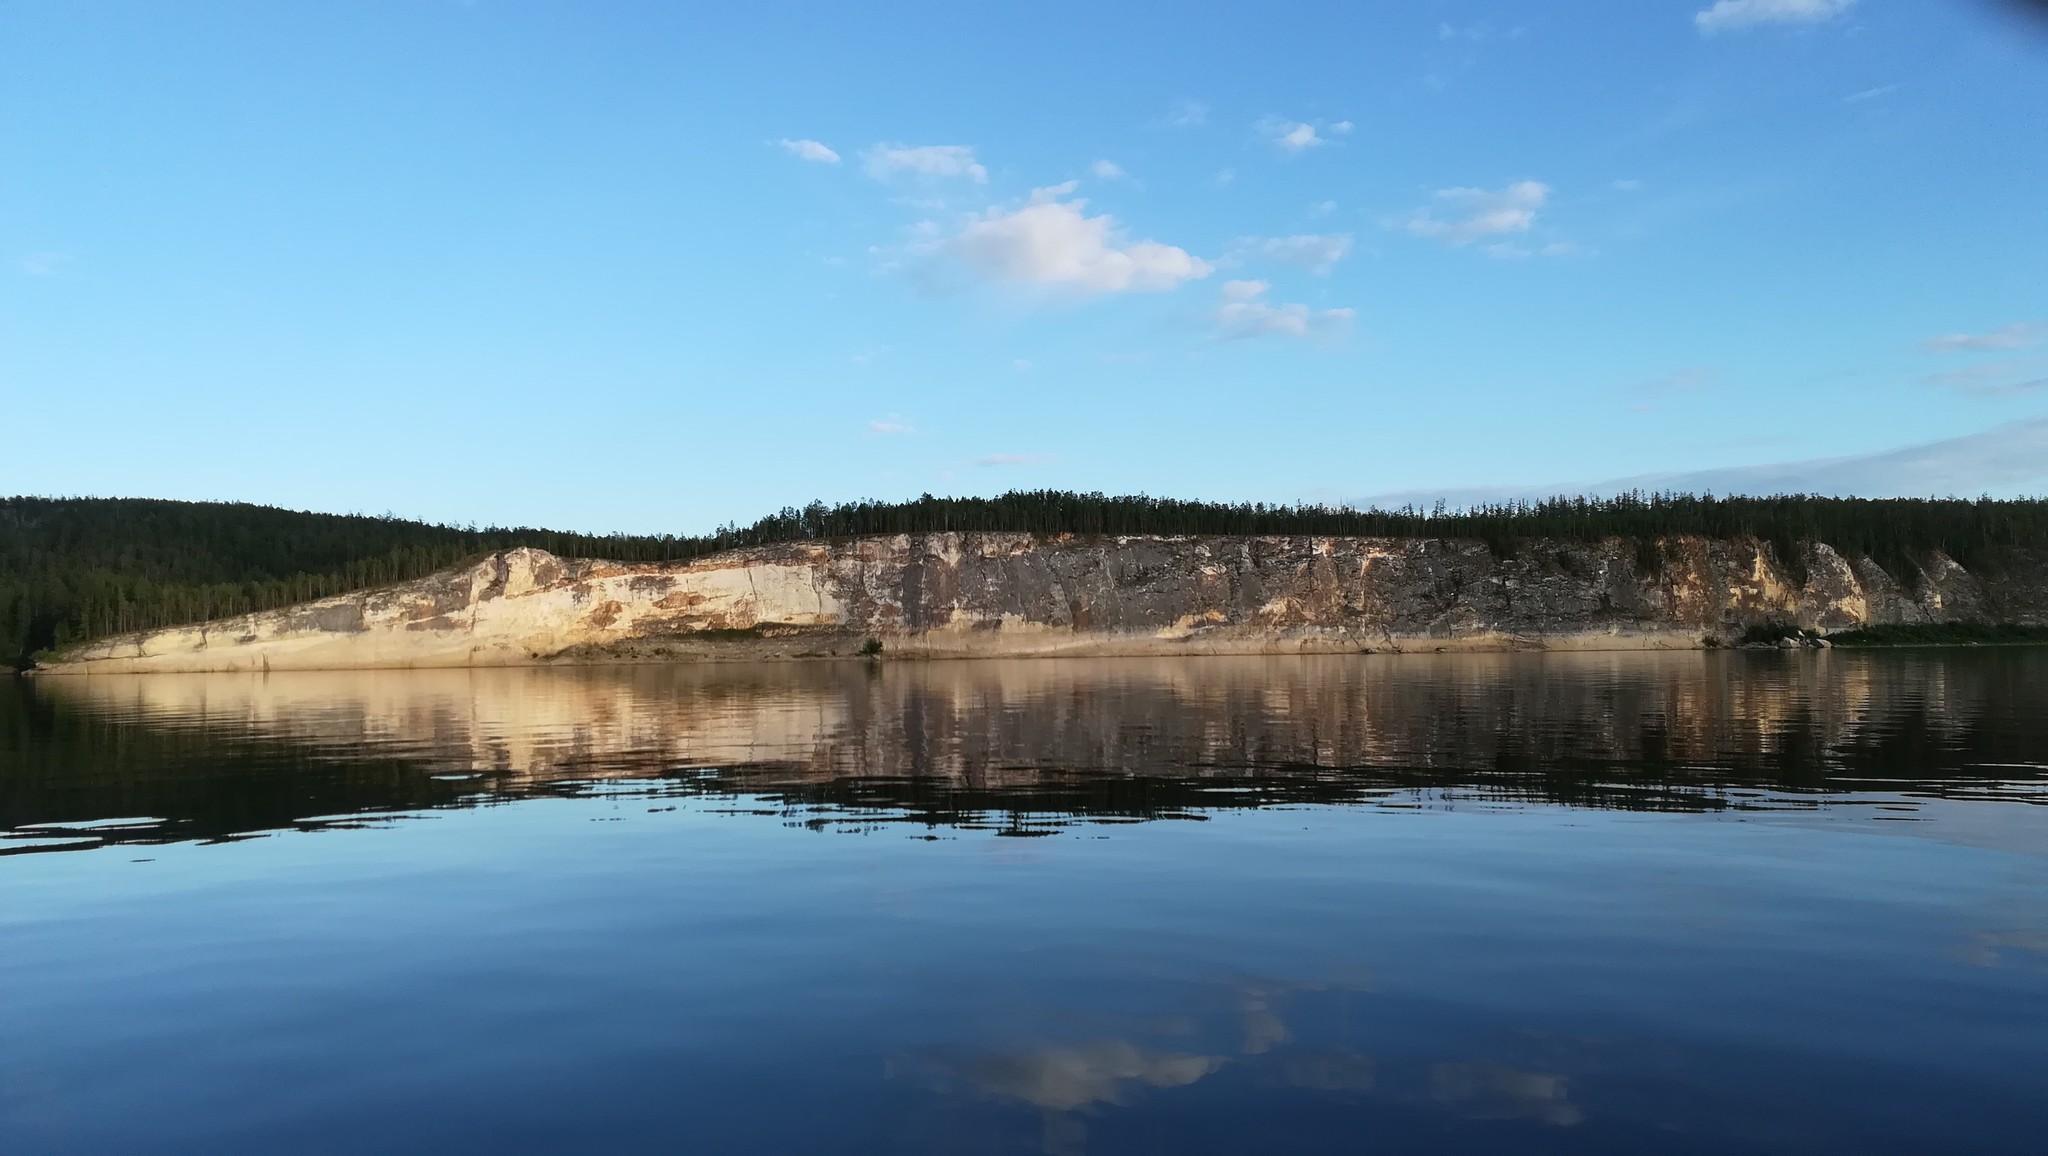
(77, 569)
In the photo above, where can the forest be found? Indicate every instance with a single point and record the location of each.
(72, 569)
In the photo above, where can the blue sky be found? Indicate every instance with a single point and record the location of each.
(656, 266)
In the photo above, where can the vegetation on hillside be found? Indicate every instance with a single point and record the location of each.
(73, 569)
(79, 568)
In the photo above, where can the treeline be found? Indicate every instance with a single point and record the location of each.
(78, 568)
(1896, 531)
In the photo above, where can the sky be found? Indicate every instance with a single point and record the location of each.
(654, 267)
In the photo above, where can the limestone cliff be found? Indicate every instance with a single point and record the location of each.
(960, 595)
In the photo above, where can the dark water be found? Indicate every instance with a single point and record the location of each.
(1611, 903)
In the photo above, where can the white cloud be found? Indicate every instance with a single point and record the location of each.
(1244, 313)
(1316, 252)
(1225, 176)
(1187, 114)
(1290, 135)
(1730, 15)
(1054, 243)
(1012, 459)
(809, 150)
(1481, 212)
(1322, 208)
(893, 424)
(1107, 170)
(1341, 128)
(2018, 335)
(886, 160)
(1628, 185)
(1870, 94)
(1244, 290)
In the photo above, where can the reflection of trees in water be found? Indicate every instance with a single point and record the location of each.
(1025, 747)
(62, 765)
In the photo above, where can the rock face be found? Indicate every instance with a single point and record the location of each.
(963, 595)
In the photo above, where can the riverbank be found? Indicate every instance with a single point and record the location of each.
(1020, 595)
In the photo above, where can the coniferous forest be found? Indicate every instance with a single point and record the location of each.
(78, 568)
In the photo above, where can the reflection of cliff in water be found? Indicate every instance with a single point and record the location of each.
(1020, 745)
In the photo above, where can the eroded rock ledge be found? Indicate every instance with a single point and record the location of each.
(970, 595)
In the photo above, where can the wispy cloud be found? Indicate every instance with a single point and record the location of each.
(1107, 171)
(2018, 335)
(1686, 380)
(1511, 251)
(1053, 243)
(1021, 364)
(1477, 213)
(1244, 313)
(1870, 94)
(2006, 456)
(988, 460)
(895, 423)
(1291, 136)
(1186, 114)
(45, 264)
(809, 150)
(886, 160)
(1071, 1079)
(1992, 379)
(1476, 32)
(1732, 15)
(1627, 185)
(2010, 458)
(1316, 252)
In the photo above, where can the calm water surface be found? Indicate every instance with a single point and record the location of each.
(1681, 903)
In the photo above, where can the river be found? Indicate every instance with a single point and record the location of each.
(1611, 903)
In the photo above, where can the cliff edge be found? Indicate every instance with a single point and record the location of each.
(964, 595)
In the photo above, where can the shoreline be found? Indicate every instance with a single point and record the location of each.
(730, 654)
(980, 596)
(838, 646)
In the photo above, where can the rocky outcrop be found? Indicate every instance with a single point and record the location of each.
(962, 595)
